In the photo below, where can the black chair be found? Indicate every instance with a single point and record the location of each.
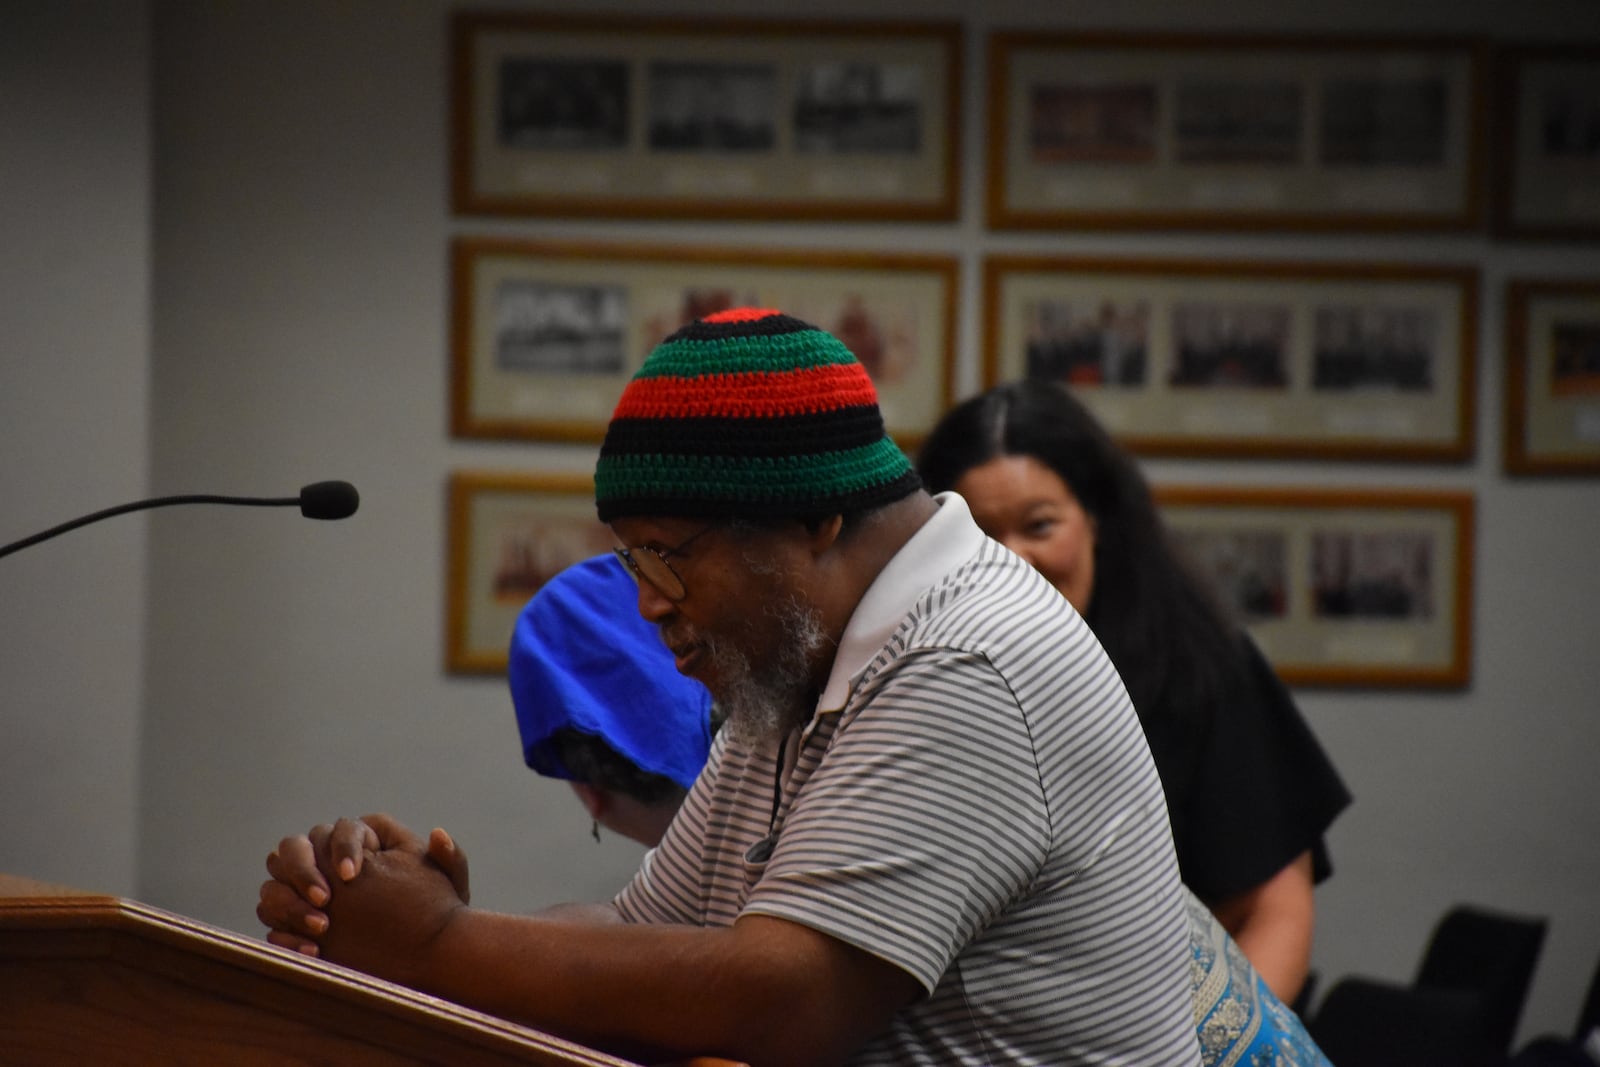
(1589, 1014)
(1487, 952)
(1550, 1050)
(1461, 1010)
(1365, 1022)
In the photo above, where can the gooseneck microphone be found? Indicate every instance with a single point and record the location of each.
(327, 500)
(319, 500)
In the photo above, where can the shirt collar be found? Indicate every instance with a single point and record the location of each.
(947, 540)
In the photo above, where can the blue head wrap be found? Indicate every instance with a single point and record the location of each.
(582, 656)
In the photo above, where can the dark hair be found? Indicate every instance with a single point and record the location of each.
(1166, 634)
(591, 760)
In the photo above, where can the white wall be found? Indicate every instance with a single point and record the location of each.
(295, 667)
(293, 670)
(74, 417)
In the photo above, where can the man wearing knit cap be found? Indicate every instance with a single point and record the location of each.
(930, 832)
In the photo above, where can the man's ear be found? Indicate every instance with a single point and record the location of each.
(825, 534)
(595, 801)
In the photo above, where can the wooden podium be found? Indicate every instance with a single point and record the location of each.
(93, 979)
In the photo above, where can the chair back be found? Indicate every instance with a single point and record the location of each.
(1489, 953)
(1589, 1014)
(1368, 1022)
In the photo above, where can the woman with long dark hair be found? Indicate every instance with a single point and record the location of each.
(1250, 792)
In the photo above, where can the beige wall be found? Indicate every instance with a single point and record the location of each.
(74, 428)
(292, 670)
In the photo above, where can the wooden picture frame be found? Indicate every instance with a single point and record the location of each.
(509, 533)
(1547, 155)
(1339, 587)
(576, 116)
(1247, 358)
(545, 334)
(1116, 131)
(1552, 393)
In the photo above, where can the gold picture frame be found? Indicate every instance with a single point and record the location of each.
(509, 533)
(1247, 358)
(545, 334)
(1339, 587)
(1117, 131)
(1552, 394)
(576, 116)
(1547, 160)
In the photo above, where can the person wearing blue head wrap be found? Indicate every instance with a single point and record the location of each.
(599, 703)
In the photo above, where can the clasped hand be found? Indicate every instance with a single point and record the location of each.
(367, 893)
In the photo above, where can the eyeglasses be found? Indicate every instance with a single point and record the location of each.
(650, 564)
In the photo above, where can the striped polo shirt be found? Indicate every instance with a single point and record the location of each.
(973, 802)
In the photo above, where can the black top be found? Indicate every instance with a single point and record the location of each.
(1248, 786)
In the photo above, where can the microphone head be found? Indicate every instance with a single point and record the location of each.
(329, 500)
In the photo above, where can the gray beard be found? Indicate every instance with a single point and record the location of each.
(763, 706)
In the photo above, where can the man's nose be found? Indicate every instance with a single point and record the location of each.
(653, 603)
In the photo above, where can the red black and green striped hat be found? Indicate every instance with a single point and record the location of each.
(748, 413)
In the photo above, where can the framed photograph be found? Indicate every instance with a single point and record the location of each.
(1339, 587)
(546, 334)
(725, 118)
(1552, 413)
(1547, 142)
(1183, 358)
(509, 534)
(1136, 131)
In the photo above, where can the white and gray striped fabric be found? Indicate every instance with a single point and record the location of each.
(982, 812)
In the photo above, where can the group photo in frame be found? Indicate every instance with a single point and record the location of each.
(546, 334)
(1188, 357)
(726, 118)
(1162, 131)
(1339, 587)
(1547, 142)
(1552, 394)
(509, 534)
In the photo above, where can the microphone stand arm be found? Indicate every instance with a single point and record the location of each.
(139, 505)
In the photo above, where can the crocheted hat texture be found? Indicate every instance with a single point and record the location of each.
(749, 413)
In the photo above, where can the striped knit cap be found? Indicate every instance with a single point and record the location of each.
(748, 413)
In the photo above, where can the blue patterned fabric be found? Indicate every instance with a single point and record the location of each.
(1236, 1017)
